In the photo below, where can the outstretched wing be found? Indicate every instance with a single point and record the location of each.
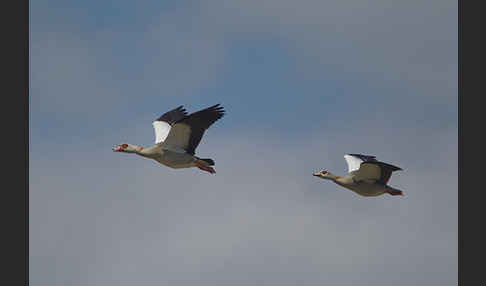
(186, 133)
(163, 124)
(354, 161)
(369, 168)
(386, 171)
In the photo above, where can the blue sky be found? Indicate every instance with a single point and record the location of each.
(303, 83)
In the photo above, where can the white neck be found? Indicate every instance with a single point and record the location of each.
(149, 152)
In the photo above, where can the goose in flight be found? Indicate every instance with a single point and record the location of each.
(366, 176)
(177, 135)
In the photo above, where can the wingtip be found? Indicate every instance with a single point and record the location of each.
(182, 109)
(218, 108)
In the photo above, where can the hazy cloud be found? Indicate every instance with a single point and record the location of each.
(303, 83)
(109, 219)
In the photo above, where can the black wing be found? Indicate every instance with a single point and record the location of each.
(365, 158)
(174, 115)
(198, 122)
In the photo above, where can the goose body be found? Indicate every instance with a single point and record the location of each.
(366, 176)
(177, 135)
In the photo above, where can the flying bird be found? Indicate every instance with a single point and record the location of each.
(177, 135)
(366, 176)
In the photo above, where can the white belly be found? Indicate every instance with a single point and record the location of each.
(367, 190)
(176, 160)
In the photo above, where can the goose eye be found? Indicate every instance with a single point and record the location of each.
(124, 146)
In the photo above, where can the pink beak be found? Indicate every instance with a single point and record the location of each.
(117, 149)
(316, 174)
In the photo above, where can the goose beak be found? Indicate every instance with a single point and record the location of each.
(116, 149)
(316, 174)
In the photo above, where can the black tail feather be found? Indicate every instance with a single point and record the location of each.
(209, 161)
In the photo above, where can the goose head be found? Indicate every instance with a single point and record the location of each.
(324, 174)
(127, 148)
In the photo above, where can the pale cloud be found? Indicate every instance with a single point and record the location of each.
(103, 218)
(77, 72)
(261, 219)
(410, 45)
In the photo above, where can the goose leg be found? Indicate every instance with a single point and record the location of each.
(207, 169)
(394, 192)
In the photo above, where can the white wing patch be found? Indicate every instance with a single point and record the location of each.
(162, 129)
(353, 163)
(178, 138)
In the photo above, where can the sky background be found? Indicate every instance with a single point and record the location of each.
(303, 83)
